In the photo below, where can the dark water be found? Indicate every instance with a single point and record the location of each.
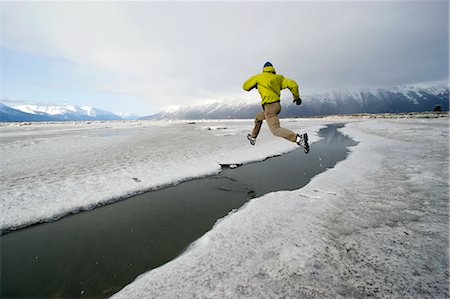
(96, 253)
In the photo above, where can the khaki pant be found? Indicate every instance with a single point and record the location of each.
(270, 114)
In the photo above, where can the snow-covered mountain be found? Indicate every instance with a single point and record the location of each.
(128, 116)
(55, 113)
(68, 112)
(424, 97)
(11, 114)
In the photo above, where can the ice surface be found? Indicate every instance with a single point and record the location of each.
(49, 170)
(376, 225)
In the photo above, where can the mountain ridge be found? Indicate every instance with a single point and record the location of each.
(406, 98)
(57, 113)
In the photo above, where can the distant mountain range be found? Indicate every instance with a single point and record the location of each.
(57, 113)
(415, 98)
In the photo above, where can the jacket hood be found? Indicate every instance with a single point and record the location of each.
(269, 69)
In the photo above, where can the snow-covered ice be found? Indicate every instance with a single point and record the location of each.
(52, 169)
(376, 225)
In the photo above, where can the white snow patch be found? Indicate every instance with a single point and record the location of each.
(89, 111)
(49, 170)
(52, 110)
(376, 225)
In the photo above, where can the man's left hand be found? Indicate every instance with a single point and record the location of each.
(298, 101)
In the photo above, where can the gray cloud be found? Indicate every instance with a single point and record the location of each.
(176, 52)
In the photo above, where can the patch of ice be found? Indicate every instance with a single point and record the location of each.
(214, 128)
(50, 170)
(376, 225)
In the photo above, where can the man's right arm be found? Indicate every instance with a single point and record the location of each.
(250, 83)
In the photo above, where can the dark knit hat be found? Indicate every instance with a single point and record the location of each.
(267, 64)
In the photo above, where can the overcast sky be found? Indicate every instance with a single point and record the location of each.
(143, 56)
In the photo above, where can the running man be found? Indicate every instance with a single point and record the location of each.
(269, 86)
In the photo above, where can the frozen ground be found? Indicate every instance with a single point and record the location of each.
(49, 170)
(374, 226)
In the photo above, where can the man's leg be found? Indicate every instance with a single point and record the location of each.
(260, 116)
(271, 112)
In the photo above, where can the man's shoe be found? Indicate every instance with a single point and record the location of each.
(302, 140)
(251, 139)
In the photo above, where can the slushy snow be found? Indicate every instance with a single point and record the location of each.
(376, 226)
(50, 170)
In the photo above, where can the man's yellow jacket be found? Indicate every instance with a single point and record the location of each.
(270, 84)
